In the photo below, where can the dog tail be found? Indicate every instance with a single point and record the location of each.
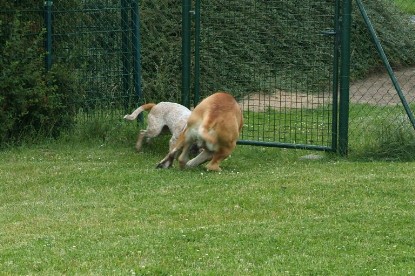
(144, 107)
(209, 137)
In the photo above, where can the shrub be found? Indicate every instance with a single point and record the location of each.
(33, 102)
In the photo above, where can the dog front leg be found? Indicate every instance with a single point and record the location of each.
(184, 157)
(140, 139)
(167, 162)
(172, 142)
(201, 158)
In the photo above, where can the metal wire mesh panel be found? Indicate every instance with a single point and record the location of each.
(93, 38)
(284, 84)
(276, 56)
(161, 31)
(378, 121)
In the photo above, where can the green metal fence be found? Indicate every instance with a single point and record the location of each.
(100, 41)
(287, 82)
(285, 61)
(382, 102)
(291, 92)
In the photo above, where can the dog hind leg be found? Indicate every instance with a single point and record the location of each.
(140, 138)
(154, 128)
(167, 162)
(218, 157)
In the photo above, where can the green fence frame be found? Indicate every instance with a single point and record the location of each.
(386, 63)
(191, 88)
(130, 49)
(341, 73)
(48, 40)
(345, 78)
(339, 118)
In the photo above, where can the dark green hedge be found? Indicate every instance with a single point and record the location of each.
(243, 55)
(33, 102)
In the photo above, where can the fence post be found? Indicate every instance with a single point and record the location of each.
(197, 54)
(126, 67)
(186, 45)
(344, 77)
(334, 126)
(48, 41)
(136, 38)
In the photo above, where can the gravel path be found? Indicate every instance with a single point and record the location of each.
(376, 89)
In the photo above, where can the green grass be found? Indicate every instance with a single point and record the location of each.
(101, 208)
(407, 6)
(377, 132)
(300, 126)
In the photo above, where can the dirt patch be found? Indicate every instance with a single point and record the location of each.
(377, 89)
(260, 102)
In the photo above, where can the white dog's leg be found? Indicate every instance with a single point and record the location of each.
(202, 157)
(167, 161)
(140, 139)
(172, 142)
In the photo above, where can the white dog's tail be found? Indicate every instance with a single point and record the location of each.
(144, 107)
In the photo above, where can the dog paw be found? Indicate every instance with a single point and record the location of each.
(214, 168)
(163, 165)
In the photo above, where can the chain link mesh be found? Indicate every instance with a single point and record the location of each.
(94, 39)
(378, 121)
(284, 80)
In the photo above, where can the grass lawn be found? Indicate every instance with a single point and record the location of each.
(101, 209)
(406, 5)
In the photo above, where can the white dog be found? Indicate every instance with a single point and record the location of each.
(214, 125)
(162, 115)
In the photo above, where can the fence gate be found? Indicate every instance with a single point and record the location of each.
(286, 81)
(99, 42)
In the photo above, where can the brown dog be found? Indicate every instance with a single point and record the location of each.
(214, 125)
